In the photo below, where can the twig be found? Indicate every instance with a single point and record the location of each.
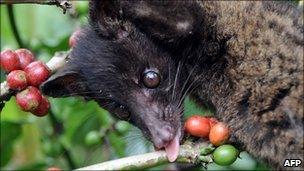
(5, 94)
(187, 154)
(4, 90)
(11, 17)
(68, 157)
(63, 4)
(56, 124)
(56, 62)
(58, 130)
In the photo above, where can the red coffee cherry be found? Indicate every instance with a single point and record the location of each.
(212, 121)
(25, 57)
(54, 169)
(219, 134)
(42, 108)
(37, 72)
(73, 38)
(29, 99)
(17, 80)
(9, 61)
(197, 126)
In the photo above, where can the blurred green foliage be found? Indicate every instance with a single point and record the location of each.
(76, 133)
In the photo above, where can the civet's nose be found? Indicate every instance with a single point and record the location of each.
(162, 136)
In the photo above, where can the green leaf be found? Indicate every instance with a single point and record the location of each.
(7, 38)
(104, 117)
(207, 150)
(191, 108)
(10, 131)
(82, 7)
(12, 112)
(42, 26)
(91, 123)
(117, 143)
(213, 166)
(52, 148)
(244, 162)
(34, 166)
(6, 154)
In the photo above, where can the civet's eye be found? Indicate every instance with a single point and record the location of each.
(151, 79)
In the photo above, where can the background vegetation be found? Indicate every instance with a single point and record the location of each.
(75, 133)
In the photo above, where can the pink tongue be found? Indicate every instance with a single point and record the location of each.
(172, 149)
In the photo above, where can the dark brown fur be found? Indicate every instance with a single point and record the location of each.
(250, 68)
(245, 59)
(260, 93)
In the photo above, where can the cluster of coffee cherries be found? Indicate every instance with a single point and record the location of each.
(24, 77)
(217, 133)
(207, 127)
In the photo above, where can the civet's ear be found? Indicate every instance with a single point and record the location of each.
(106, 18)
(164, 20)
(65, 82)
